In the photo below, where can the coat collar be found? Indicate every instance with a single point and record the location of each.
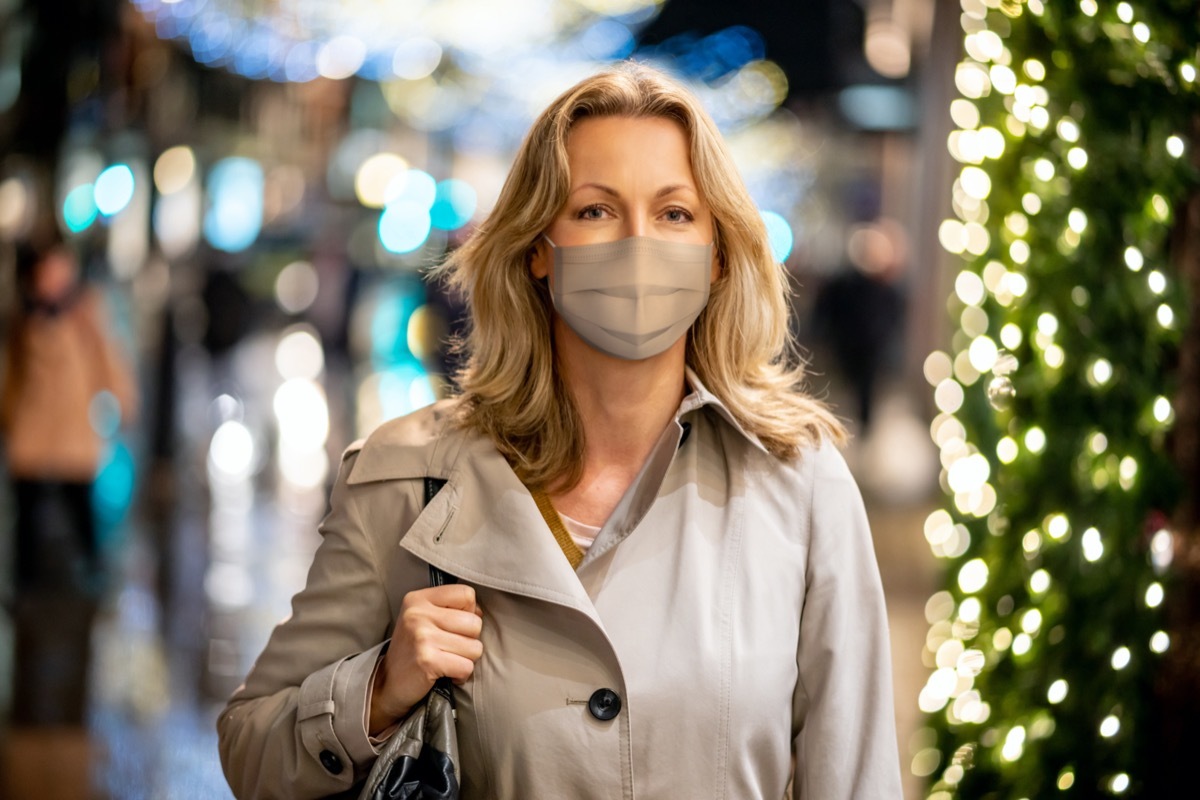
(483, 526)
(700, 397)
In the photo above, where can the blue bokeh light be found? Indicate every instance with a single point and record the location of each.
(404, 226)
(113, 189)
(454, 205)
(414, 186)
(779, 232)
(404, 383)
(607, 39)
(112, 492)
(300, 65)
(878, 108)
(394, 307)
(79, 208)
(235, 212)
(712, 57)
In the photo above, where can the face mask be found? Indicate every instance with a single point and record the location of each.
(632, 298)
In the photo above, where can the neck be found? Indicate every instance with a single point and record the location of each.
(624, 405)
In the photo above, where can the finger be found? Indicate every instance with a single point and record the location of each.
(463, 646)
(458, 595)
(452, 620)
(455, 667)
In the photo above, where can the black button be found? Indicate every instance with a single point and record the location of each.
(330, 762)
(604, 704)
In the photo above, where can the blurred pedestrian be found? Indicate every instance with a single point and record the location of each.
(61, 359)
(859, 313)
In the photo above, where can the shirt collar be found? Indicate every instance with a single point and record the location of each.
(700, 396)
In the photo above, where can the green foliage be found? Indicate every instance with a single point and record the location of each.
(1078, 123)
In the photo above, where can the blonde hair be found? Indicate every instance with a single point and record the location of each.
(739, 347)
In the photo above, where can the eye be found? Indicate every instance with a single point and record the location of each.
(591, 212)
(677, 215)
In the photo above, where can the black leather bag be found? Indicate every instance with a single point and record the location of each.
(420, 760)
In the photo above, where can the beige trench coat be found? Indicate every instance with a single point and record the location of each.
(732, 603)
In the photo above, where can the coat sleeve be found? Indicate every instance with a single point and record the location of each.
(296, 728)
(845, 745)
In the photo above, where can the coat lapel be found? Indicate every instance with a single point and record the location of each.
(484, 528)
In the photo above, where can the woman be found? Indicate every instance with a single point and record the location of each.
(712, 610)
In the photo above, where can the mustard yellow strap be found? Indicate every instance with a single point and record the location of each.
(565, 542)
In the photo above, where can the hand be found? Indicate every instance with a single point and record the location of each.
(436, 635)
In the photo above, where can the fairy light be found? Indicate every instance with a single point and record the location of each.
(1039, 581)
(1120, 658)
(1162, 410)
(1093, 545)
(1110, 726)
(1042, 284)
(1165, 316)
(1134, 259)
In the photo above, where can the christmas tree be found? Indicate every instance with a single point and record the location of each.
(1076, 127)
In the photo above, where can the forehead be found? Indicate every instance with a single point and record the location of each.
(648, 147)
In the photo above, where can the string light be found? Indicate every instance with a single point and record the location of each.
(1120, 658)
(1041, 283)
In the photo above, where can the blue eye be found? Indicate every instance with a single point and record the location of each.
(677, 215)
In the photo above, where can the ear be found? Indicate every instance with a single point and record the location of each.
(540, 259)
(716, 266)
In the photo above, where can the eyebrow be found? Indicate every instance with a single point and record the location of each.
(663, 192)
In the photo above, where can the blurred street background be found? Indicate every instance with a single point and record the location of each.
(236, 203)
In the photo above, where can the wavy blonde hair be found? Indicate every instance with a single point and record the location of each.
(739, 346)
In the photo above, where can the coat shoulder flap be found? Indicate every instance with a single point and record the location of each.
(412, 446)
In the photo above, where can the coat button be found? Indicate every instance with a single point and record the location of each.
(604, 704)
(330, 762)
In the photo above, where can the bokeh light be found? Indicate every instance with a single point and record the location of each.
(780, 235)
(113, 189)
(235, 212)
(453, 205)
(174, 169)
(79, 208)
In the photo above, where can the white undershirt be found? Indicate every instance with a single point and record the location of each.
(583, 535)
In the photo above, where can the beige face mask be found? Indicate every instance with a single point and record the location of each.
(632, 298)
